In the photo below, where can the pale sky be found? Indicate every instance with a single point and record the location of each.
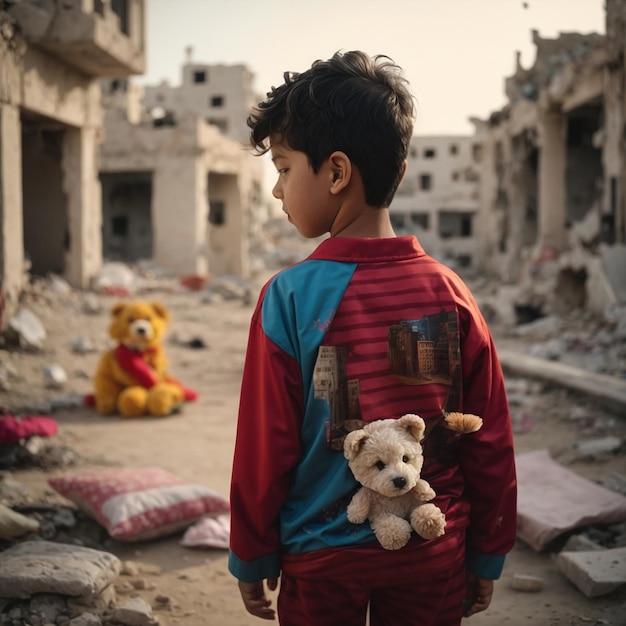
(455, 53)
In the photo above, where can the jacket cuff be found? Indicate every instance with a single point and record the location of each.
(267, 566)
(484, 565)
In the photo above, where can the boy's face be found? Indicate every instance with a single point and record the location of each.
(306, 196)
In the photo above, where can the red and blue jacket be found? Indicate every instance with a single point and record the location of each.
(361, 330)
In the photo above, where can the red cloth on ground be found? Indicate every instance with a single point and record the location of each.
(12, 429)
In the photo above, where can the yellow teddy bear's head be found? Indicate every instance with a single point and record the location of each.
(138, 325)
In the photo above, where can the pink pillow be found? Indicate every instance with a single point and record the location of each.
(135, 504)
(208, 532)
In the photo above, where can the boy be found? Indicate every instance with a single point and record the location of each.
(367, 327)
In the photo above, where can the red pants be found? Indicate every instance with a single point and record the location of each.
(422, 584)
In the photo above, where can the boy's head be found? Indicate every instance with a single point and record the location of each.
(351, 103)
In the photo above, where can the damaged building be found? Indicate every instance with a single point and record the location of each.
(51, 57)
(179, 187)
(437, 199)
(553, 174)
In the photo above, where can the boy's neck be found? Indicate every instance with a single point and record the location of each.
(366, 222)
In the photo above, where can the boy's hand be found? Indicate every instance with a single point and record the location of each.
(478, 594)
(253, 596)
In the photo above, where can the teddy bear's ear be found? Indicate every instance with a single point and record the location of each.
(117, 309)
(160, 310)
(414, 424)
(353, 443)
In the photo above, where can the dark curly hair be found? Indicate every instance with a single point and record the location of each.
(354, 103)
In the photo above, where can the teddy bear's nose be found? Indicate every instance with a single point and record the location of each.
(399, 482)
(142, 329)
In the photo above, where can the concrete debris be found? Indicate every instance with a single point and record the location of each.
(598, 448)
(115, 279)
(550, 350)
(11, 491)
(48, 607)
(58, 284)
(608, 390)
(542, 328)
(73, 401)
(36, 452)
(83, 345)
(134, 612)
(595, 573)
(615, 482)
(91, 304)
(54, 375)
(134, 568)
(526, 582)
(86, 619)
(581, 543)
(231, 287)
(14, 524)
(614, 262)
(28, 329)
(35, 567)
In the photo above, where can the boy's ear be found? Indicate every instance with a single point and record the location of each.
(404, 166)
(340, 171)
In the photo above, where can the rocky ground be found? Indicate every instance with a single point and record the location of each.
(205, 345)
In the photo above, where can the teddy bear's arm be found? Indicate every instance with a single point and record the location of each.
(158, 361)
(359, 507)
(107, 387)
(423, 491)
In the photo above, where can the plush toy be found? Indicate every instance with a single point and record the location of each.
(386, 457)
(131, 378)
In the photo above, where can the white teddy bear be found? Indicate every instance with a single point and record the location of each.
(386, 457)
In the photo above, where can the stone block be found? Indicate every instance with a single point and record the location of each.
(46, 567)
(595, 573)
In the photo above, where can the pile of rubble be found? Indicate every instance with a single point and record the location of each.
(44, 583)
(56, 569)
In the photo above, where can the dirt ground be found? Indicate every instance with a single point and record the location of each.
(197, 445)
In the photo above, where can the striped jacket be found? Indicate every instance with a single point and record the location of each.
(365, 329)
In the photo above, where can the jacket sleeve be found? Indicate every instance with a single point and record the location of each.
(267, 447)
(487, 456)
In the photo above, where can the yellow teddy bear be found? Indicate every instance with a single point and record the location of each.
(131, 378)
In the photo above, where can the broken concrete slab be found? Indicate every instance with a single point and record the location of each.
(608, 390)
(46, 567)
(28, 328)
(596, 572)
(553, 500)
(13, 524)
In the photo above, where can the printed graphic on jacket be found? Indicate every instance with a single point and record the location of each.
(424, 351)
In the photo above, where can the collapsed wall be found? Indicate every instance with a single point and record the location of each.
(553, 179)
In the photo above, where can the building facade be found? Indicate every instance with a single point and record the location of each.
(553, 175)
(437, 199)
(221, 95)
(179, 187)
(51, 57)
